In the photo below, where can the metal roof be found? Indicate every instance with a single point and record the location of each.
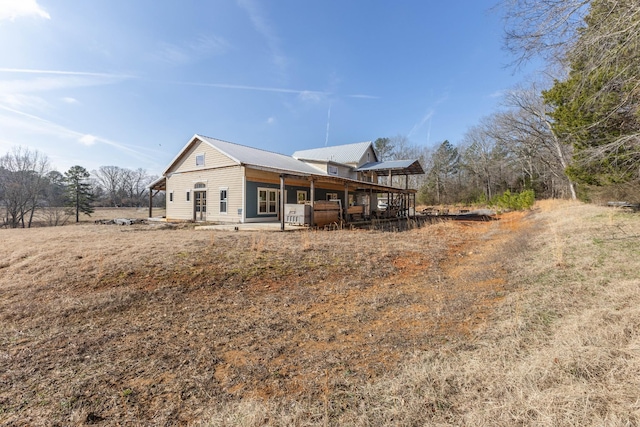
(348, 153)
(396, 167)
(260, 158)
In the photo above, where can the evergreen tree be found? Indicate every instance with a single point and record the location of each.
(597, 108)
(79, 191)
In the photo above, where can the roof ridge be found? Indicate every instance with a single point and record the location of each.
(334, 146)
(242, 145)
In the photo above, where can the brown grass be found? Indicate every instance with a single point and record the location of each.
(530, 320)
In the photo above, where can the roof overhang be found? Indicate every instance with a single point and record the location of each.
(352, 184)
(159, 184)
(393, 167)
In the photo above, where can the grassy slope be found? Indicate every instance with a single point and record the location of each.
(529, 321)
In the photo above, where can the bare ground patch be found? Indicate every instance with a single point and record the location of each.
(139, 325)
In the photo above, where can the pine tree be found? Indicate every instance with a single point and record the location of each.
(79, 191)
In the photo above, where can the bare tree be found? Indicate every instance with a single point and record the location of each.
(135, 183)
(110, 178)
(545, 28)
(22, 183)
(526, 130)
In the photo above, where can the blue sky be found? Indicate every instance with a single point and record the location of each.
(128, 83)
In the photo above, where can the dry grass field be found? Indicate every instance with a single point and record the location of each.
(530, 320)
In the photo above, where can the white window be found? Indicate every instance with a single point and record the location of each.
(223, 200)
(301, 196)
(333, 170)
(199, 159)
(198, 185)
(171, 196)
(188, 195)
(332, 196)
(267, 201)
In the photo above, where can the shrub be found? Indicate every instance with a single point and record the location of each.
(514, 201)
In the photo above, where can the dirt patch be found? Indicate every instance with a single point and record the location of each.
(157, 325)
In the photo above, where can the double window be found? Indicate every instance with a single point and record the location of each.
(267, 201)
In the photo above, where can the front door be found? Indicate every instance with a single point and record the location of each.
(200, 205)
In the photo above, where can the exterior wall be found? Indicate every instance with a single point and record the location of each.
(368, 156)
(230, 178)
(343, 171)
(212, 159)
(321, 166)
(259, 179)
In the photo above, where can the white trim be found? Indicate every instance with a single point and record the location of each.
(203, 159)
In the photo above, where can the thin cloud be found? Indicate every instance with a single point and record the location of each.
(37, 124)
(12, 9)
(302, 93)
(312, 96)
(65, 73)
(426, 118)
(203, 46)
(69, 100)
(265, 29)
(360, 96)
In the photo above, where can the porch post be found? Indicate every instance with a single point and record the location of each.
(150, 202)
(282, 202)
(313, 199)
(346, 201)
(389, 201)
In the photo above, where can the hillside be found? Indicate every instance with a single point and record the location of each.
(529, 320)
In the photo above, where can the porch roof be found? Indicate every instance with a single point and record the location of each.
(395, 167)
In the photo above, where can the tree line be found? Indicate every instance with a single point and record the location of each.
(508, 151)
(573, 131)
(31, 190)
(592, 99)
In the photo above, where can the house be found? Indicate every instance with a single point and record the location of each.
(219, 181)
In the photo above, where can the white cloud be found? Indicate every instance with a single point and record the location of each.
(271, 120)
(70, 100)
(87, 140)
(311, 96)
(12, 9)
